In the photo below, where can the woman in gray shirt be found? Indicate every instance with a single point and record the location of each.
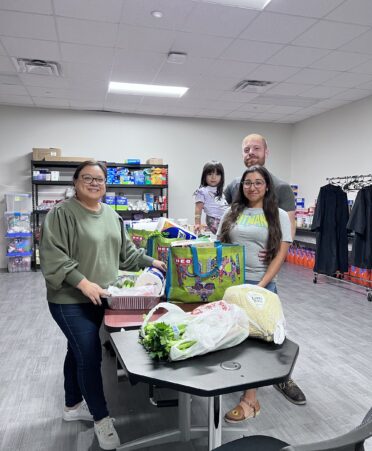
(255, 221)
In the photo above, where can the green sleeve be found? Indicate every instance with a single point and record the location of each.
(56, 245)
(131, 258)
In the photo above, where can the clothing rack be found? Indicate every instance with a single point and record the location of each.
(350, 183)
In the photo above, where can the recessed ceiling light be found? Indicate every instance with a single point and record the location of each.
(250, 4)
(157, 14)
(176, 57)
(147, 90)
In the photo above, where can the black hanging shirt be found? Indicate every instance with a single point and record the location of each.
(330, 220)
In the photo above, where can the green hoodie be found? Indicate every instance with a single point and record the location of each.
(77, 243)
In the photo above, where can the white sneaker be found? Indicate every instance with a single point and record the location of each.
(106, 434)
(80, 413)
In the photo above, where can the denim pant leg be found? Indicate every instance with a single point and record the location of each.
(271, 286)
(80, 323)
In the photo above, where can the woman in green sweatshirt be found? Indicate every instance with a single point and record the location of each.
(83, 244)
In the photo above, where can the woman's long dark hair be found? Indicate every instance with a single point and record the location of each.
(209, 168)
(270, 208)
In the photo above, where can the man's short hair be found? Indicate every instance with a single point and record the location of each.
(257, 136)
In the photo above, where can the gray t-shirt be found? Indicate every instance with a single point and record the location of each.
(251, 231)
(283, 191)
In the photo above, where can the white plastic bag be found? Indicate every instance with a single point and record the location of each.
(214, 326)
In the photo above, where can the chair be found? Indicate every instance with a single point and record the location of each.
(352, 441)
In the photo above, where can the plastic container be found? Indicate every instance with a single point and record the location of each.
(18, 222)
(21, 263)
(134, 302)
(19, 245)
(172, 230)
(19, 202)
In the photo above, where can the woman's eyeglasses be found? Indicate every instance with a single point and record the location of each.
(88, 179)
(256, 183)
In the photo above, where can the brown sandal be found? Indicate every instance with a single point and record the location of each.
(243, 411)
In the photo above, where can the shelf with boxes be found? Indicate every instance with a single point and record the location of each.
(134, 190)
(18, 231)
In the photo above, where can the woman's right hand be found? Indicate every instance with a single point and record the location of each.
(92, 291)
(197, 228)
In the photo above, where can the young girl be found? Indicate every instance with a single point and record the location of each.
(209, 196)
(255, 221)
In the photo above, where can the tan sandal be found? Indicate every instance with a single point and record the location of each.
(243, 411)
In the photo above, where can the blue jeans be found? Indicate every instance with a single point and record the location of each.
(80, 323)
(271, 286)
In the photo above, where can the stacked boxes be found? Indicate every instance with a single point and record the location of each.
(19, 236)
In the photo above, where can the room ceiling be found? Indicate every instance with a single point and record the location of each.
(317, 53)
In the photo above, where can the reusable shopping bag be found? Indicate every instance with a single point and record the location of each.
(183, 335)
(263, 308)
(139, 237)
(203, 273)
(158, 246)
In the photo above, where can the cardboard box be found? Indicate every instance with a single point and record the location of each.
(154, 161)
(40, 153)
(68, 158)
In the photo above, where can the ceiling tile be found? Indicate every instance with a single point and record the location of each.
(367, 86)
(255, 52)
(6, 66)
(11, 99)
(44, 81)
(242, 115)
(272, 73)
(145, 39)
(285, 100)
(218, 20)
(297, 56)
(312, 8)
(31, 48)
(34, 6)
(278, 28)
(365, 68)
(362, 44)
(348, 79)
(10, 80)
(231, 69)
(107, 11)
(37, 91)
(186, 74)
(255, 108)
(17, 90)
(117, 100)
(195, 44)
(240, 97)
(86, 104)
(284, 109)
(329, 35)
(311, 76)
(211, 113)
(268, 116)
(87, 32)
(27, 25)
(340, 61)
(354, 11)
(354, 94)
(138, 12)
(77, 72)
(2, 50)
(329, 104)
(288, 89)
(321, 92)
(50, 102)
(132, 66)
(89, 54)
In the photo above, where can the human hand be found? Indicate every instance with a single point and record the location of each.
(92, 291)
(158, 264)
(197, 229)
(262, 255)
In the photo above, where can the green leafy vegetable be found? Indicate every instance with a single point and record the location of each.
(159, 337)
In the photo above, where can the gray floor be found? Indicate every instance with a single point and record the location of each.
(330, 321)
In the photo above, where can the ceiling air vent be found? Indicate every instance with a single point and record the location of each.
(37, 67)
(252, 85)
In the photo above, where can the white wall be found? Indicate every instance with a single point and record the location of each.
(333, 144)
(184, 144)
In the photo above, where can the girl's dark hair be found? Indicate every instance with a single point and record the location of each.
(209, 168)
(270, 208)
(83, 165)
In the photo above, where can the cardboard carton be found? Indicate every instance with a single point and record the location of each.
(50, 158)
(154, 161)
(41, 153)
